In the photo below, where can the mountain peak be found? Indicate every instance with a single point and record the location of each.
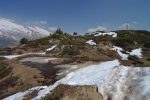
(10, 29)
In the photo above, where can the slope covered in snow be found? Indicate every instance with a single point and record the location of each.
(114, 81)
(13, 31)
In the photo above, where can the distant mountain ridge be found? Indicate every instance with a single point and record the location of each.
(11, 32)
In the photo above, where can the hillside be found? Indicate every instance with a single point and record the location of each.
(78, 46)
(119, 60)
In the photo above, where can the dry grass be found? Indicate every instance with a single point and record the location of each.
(66, 92)
(21, 78)
(26, 74)
(146, 62)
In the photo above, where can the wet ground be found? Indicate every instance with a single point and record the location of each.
(49, 71)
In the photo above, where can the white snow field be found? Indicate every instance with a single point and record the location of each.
(10, 29)
(114, 81)
(91, 42)
(113, 34)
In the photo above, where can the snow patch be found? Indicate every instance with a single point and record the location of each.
(51, 48)
(134, 52)
(137, 52)
(113, 34)
(91, 42)
(16, 56)
(38, 59)
(122, 55)
(11, 56)
(20, 95)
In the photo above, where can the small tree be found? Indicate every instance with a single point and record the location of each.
(23, 41)
(59, 31)
(75, 33)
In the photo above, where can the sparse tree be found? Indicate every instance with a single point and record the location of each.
(75, 33)
(23, 41)
(59, 31)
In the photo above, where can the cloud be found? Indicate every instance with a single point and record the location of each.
(52, 29)
(42, 22)
(98, 28)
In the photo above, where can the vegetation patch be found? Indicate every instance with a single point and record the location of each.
(66, 92)
(71, 51)
(4, 69)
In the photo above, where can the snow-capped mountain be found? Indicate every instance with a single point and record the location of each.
(11, 32)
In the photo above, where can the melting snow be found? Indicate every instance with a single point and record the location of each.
(135, 52)
(11, 56)
(16, 56)
(91, 42)
(122, 55)
(51, 48)
(20, 95)
(37, 59)
(113, 34)
(113, 80)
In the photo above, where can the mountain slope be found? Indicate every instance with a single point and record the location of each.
(11, 32)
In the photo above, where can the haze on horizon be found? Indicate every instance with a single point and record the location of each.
(79, 15)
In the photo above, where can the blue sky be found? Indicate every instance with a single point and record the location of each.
(79, 15)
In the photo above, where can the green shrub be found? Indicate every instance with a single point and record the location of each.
(19, 52)
(123, 42)
(59, 31)
(71, 51)
(56, 35)
(140, 36)
(147, 45)
(4, 70)
(56, 94)
(33, 44)
(24, 41)
(148, 59)
(44, 42)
